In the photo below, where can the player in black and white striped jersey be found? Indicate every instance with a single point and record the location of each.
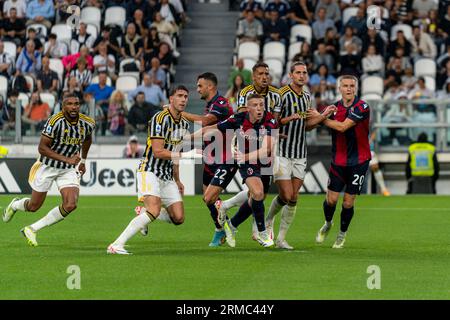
(296, 117)
(63, 137)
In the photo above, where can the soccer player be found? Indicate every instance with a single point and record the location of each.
(216, 174)
(350, 157)
(158, 177)
(290, 174)
(272, 102)
(375, 168)
(64, 135)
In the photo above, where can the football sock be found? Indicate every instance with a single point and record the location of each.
(52, 217)
(164, 216)
(379, 179)
(237, 200)
(214, 214)
(20, 205)
(287, 216)
(328, 211)
(275, 207)
(133, 227)
(243, 213)
(346, 217)
(258, 213)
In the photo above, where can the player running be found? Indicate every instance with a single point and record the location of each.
(217, 174)
(350, 157)
(64, 135)
(158, 177)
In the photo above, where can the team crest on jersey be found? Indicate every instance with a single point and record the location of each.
(249, 171)
(158, 128)
(241, 100)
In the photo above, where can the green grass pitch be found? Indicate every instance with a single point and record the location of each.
(407, 237)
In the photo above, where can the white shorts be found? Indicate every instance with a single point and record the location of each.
(41, 177)
(150, 185)
(374, 160)
(290, 168)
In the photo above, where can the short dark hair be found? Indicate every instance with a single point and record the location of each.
(208, 76)
(297, 63)
(422, 137)
(52, 36)
(260, 65)
(68, 95)
(178, 87)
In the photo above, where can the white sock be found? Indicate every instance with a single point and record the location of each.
(287, 216)
(164, 216)
(19, 205)
(275, 207)
(133, 227)
(380, 180)
(52, 217)
(237, 200)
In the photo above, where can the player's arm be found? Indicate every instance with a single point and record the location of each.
(314, 118)
(264, 152)
(206, 120)
(162, 153)
(339, 126)
(45, 150)
(84, 153)
(176, 177)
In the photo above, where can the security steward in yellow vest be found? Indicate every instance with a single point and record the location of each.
(422, 162)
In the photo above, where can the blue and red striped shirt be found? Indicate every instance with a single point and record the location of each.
(351, 147)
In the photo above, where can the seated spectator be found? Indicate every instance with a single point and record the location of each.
(105, 62)
(281, 6)
(165, 29)
(117, 113)
(82, 74)
(112, 46)
(169, 13)
(29, 60)
(422, 44)
(239, 69)
(322, 57)
(132, 149)
(140, 22)
(322, 74)
(134, 5)
(400, 41)
(40, 11)
(233, 92)
(301, 12)
(331, 41)
(372, 37)
(443, 75)
(351, 61)
(70, 62)
(394, 72)
(305, 55)
(89, 108)
(321, 25)
(81, 38)
(140, 113)
(349, 39)
(408, 79)
(400, 112)
(164, 55)
(332, 10)
(422, 7)
(420, 91)
(250, 29)
(6, 62)
(19, 5)
(392, 91)
(47, 80)
(251, 5)
(153, 93)
(132, 44)
(36, 113)
(72, 86)
(275, 29)
(9, 109)
(405, 61)
(358, 23)
(33, 36)
(14, 29)
(157, 73)
(53, 48)
(151, 43)
(372, 63)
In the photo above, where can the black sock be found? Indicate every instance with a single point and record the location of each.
(214, 214)
(243, 213)
(258, 213)
(328, 211)
(346, 217)
(281, 203)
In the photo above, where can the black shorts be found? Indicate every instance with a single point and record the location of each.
(219, 175)
(247, 171)
(352, 178)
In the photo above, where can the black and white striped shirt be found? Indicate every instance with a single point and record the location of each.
(271, 98)
(67, 137)
(163, 126)
(5, 58)
(84, 78)
(294, 146)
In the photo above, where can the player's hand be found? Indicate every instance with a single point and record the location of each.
(329, 110)
(82, 169)
(180, 187)
(312, 113)
(295, 116)
(74, 160)
(239, 156)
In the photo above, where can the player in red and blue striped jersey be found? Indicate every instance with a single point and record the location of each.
(350, 156)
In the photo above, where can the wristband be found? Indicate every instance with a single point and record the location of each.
(82, 161)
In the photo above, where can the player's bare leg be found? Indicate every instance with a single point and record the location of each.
(346, 218)
(329, 207)
(211, 198)
(176, 212)
(25, 205)
(379, 179)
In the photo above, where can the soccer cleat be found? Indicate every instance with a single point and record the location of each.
(222, 213)
(283, 245)
(386, 193)
(30, 235)
(264, 239)
(230, 233)
(144, 230)
(340, 240)
(323, 232)
(269, 226)
(113, 249)
(9, 212)
(218, 239)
